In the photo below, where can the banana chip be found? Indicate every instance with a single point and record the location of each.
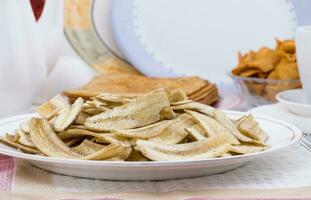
(77, 133)
(196, 132)
(109, 98)
(19, 146)
(94, 111)
(246, 149)
(167, 113)
(175, 132)
(195, 106)
(72, 142)
(136, 156)
(81, 118)
(226, 155)
(24, 126)
(226, 122)
(13, 138)
(68, 115)
(52, 107)
(209, 148)
(250, 127)
(212, 127)
(146, 132)
(178, 103)
(178, 96)
(24, 139)
(110, 152)
(46, 140)
(144, 110)
(87, 147)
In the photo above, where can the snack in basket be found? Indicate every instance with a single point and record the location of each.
(269, 64)
(129, 85)
(161, 125)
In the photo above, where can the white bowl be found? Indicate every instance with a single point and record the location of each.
(295, 101)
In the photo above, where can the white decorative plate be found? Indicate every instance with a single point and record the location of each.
(88, 32)
(282, 136)
(202, 37)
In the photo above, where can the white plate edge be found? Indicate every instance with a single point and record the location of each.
(297, 135)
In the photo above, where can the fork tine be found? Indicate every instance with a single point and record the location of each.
(306, 147)
(306, 142)
(308, 137)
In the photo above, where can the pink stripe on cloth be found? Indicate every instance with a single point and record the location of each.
(98, 199)
(6, 172)
(207, 198)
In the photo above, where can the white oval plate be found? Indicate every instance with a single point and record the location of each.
(202, 37)
(295, 101)
(282, 135)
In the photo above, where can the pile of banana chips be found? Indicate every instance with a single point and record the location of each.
(160, 125)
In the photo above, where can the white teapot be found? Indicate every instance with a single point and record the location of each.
(28, 51)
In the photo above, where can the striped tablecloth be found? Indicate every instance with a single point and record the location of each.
(20, 180)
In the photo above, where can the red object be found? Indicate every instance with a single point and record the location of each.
(37, 7)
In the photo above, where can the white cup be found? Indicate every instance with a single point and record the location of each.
(303, 50)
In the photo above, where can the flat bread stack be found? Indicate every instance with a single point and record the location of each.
(196, 88)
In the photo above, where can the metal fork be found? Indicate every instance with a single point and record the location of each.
(306, 141)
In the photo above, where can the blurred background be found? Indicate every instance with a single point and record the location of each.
(79, 39)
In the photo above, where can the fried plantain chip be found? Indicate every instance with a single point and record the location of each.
(167, 113)
(202, 108)
(77, 133)
(177, 96)
(145, 132)
(212, 127)
(24, 139)
(246, 149)
(24, 126)
(87, 147)
(196, 132)
(209, 148)
(117, 99)
(94, 111)
(72, 142)
(52, 107)
(175, 132)
(81, 118)
(226, 122)
(226, 155)
(18, 146)
(46, 140)
(143, 111)
(110, 152)
(68, 115)
(13, 138)
(180, 102)
(136, 156)
(250, 127)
